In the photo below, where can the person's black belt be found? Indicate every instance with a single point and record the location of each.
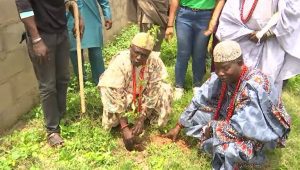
(194, 9)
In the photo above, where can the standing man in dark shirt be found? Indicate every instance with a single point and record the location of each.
(48, 46)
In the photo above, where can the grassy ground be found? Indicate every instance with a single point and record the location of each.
(88, 146)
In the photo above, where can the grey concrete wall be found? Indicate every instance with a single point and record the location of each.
(18, 86)
(120, 15)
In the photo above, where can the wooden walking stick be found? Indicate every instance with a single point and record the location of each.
(74, 6)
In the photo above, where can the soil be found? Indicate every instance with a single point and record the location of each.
(159, 140)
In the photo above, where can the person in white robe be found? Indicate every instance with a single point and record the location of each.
(268, 33)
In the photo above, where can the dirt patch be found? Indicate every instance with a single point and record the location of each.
(159, 140)
(139, 157)
(156, 140)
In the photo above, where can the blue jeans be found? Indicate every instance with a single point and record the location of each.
(96, 61)
(191, 42)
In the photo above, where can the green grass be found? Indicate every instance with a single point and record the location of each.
(88, 146)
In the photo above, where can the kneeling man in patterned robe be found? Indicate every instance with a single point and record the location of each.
(133, 85)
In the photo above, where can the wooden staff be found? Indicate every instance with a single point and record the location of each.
(74, 6)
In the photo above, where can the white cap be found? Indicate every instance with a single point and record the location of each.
(226, 51)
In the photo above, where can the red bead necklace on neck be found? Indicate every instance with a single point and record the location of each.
(245, 20)
(232, 100)
(141, 77)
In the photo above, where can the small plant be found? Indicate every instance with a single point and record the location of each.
(154, 31)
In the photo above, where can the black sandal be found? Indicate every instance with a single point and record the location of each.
(55, 140)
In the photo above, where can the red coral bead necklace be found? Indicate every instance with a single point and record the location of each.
(232, 100)
(245, 20)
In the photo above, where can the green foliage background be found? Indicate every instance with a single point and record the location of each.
(88, 146)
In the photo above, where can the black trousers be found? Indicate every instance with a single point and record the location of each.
(53, 77)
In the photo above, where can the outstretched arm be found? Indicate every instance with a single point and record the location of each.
(173, 133)
(170, 27)
(215, 17)
(200, 110)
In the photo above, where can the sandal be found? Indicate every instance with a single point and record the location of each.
(55, 140)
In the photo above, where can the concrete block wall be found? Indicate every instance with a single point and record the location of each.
(120, 10)
(18, 85)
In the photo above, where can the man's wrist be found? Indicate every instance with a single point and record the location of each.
(123, 121)
(36, 40)
(124, 126)
(269, 34)
(142, 117)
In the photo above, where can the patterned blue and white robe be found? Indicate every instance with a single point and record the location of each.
(259, 120)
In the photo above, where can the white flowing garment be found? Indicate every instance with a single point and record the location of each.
(278, 57)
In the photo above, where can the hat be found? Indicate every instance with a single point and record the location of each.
(226, 51)
(143, 40)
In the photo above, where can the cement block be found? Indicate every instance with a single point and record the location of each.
(9, 12)
(131, 14)
(119, 18)
(12, 113)
(2, 56)
(6, 97)
(11, 36)
(23, 82)
(1, 46)
(12, 63)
